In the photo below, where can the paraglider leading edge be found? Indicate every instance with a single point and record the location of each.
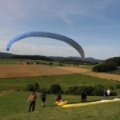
(48, 35)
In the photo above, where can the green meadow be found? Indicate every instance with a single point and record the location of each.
(65, 81)
(14, 104)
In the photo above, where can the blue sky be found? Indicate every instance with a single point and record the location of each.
(94, 24)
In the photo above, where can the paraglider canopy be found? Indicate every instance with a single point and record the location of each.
(48, 35)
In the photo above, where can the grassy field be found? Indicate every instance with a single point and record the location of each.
(9, 61)
(14, 105)
(65, 81)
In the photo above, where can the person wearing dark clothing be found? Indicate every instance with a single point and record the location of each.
(104, 92)
(58, 98)
(83, 96)
(32, 99)
(43, 98)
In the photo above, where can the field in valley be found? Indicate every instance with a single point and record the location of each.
(14, 103)
(12, 71)
(15, 70)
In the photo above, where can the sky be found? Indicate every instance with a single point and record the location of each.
(93, 24)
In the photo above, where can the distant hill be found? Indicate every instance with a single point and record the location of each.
(6, 55)
(37, 57)
(89, 59)
(30, 57)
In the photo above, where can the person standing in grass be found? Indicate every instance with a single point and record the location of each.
(104, 93)
(107, 93)
(83, 96)
(43, 98)
(32, 100)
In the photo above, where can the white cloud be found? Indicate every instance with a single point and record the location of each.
(25, 9)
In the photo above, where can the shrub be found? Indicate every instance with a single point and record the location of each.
(97, 91)
(36, 87)
(30, 87)
(90, 90)
(118, 86)
(113, 93)
(105, 67)
(55, 88)
(77, 90)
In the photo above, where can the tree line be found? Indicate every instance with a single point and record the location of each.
(73, 90)
(108, 65)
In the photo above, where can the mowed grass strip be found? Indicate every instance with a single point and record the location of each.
(90, 73)
(103, 75)
(74, 69)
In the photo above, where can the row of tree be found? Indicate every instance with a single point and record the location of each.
(108, 65)
(32, 57)
(54, 88)
(105, 67)
(74, 90)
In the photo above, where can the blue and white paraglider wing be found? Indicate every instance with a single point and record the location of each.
(47, 35)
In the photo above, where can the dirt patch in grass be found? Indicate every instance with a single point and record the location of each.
(2, 94)
(12, 71)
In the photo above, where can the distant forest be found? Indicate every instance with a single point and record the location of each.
(110, 64)
(51, 58)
